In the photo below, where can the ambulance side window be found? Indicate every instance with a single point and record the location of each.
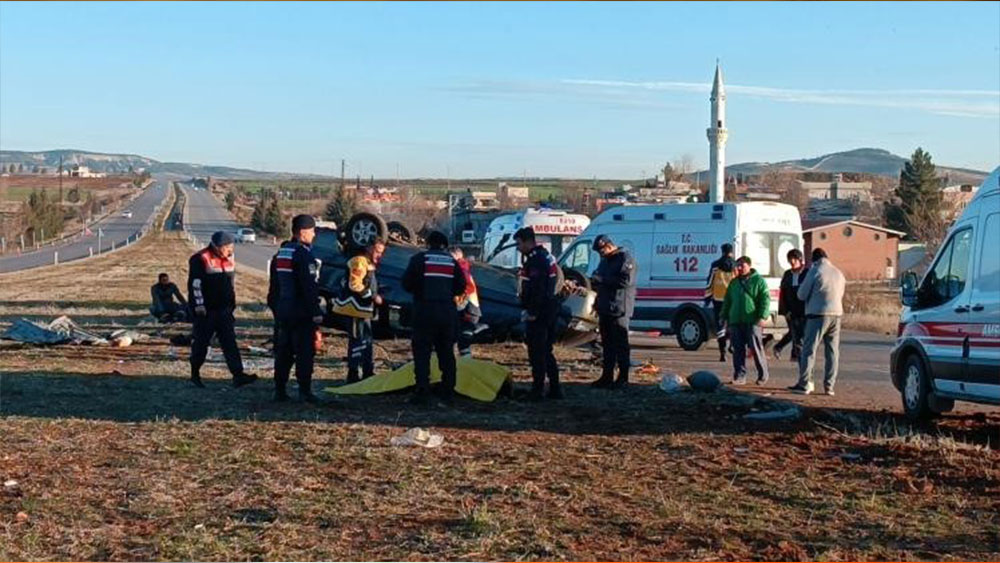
(578, 256)
(946, 280)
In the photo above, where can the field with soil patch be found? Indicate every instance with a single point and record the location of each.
(108, 454)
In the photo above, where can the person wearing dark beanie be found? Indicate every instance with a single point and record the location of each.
(293, 297)
(212, 298)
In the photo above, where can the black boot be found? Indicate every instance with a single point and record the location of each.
(196, 381)
(722, 349)
(280, 396)
(555, 392)
(603, 382)
(243, 379)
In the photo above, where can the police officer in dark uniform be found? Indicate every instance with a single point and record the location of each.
(212, 298)
(614, 282)
(435, 279)
(293, 297)
(539, 280)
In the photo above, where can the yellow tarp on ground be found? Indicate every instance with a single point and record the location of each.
(478, 379)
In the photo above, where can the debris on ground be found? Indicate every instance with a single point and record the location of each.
(671, 383)
(648, 368)
(790, 413)
(181, 340)
(418, 437)
(705, 381)
(10, 483)
(123, 338)
(62, 330)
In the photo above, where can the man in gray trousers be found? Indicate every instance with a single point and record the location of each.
(823, 293)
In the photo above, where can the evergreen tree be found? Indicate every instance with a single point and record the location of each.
(918, 208)
(341, 207)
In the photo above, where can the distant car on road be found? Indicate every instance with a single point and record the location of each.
(127, 214)
(246, 234)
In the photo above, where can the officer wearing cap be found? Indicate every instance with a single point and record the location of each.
(614, 282)
(293, 297)
(435, 279)
(539, 280)
(212, 298)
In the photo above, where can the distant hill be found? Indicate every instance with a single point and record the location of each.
(120, 164)
(869, 161)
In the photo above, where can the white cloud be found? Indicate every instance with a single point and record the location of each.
(962, 103)
(635, 95)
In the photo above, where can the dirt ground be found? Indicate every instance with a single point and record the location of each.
(108, 454)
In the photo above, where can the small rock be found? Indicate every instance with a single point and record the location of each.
(22, 517)
(704, 381)
(199, 526)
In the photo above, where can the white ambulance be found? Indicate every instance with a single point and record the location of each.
(948, 344)
(554, 230)
(674, 246)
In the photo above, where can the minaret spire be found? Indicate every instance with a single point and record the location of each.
(717, 135)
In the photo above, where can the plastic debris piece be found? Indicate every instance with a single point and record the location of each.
(671, 383)
(417, 437)
(648, 368)
(10, 483)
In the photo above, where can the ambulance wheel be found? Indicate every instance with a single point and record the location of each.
(364, 229)
(400, 231)
(691, 331)
(916, 390)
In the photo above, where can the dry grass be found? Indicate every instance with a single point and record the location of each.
(122, 278)
(115, 457)
(871, 310)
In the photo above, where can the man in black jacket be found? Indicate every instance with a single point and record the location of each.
(614, 282)
(164, 293)
(435, 279)
(790, 306)
(539, 279)
(212, 297)
(293, 297)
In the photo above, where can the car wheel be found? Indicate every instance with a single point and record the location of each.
(364, 229)
(915, 389)
(691, 331)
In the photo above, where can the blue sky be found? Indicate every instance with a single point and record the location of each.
(491, 89)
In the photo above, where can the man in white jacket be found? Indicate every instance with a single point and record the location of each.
(822, 291)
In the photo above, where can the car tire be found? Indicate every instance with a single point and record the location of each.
(915, 389)
(364, 229)
(691, 330)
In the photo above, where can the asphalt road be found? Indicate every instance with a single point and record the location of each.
(114, 231)
(205, 215)
(863, 381)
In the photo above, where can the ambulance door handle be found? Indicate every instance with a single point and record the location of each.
(962, 309)
(978, 307)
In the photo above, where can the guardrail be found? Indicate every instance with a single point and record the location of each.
(152, 224)
(21, 248)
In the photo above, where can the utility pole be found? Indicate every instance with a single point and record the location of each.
(60, 178)
(342, 175)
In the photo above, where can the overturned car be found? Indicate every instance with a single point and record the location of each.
(498, 288)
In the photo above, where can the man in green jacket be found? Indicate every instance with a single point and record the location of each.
(747, 304)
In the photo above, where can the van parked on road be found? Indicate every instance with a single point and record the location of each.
(948, 344)
(554, 230)
(674, 246)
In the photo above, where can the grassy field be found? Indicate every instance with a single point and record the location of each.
(109, 455)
